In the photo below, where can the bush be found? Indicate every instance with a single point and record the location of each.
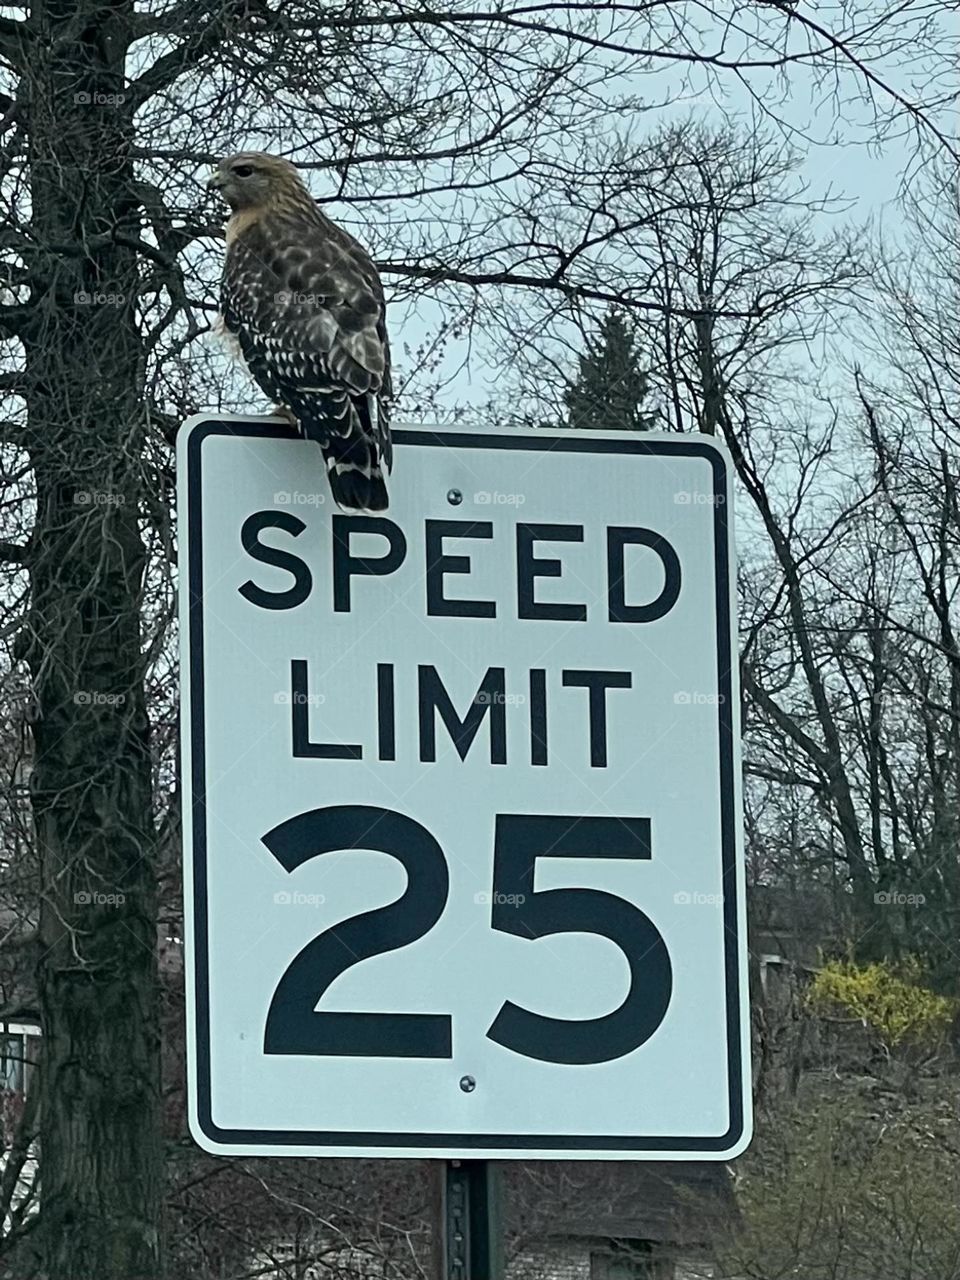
(893, 1003)
(838, 1192)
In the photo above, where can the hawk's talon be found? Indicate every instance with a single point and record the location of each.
(281, 411)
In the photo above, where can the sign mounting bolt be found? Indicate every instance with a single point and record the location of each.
(467, 1084)
(454, 497)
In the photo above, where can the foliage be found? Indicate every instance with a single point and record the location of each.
(835, 1192)
(610, 385)
(891, 1001)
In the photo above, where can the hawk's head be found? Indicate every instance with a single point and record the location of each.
(255, 180)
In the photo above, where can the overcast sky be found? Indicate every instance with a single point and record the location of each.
(843, 158)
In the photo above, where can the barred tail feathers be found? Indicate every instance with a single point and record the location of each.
(355, 474)
(342, 426)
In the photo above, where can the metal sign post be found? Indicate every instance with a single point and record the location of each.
(471, 1225)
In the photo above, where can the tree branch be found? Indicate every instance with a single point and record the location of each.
(15, 41)
(13, 553)
(200, 44)
(785, 722)
(453, 275)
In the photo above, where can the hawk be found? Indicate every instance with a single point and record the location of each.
(304, 302)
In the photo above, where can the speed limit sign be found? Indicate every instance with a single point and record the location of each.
(463, 870)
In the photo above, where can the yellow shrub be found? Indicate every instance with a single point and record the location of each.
(893, 1004)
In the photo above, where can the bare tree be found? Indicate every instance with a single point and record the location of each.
(479, 147)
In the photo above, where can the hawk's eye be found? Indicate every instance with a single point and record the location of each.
(243, 170)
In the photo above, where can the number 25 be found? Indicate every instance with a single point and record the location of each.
(294, 1026)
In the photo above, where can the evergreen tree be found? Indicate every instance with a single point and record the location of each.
(611, 385)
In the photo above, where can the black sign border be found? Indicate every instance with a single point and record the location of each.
(567, 442)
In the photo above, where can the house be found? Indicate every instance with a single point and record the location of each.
(560, 1220)
(794, 924)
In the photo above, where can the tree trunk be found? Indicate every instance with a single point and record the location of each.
(91, 784)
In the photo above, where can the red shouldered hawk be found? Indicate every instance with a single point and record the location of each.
(304, 301)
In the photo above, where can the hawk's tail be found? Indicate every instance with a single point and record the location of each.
(356, 453)
(355, 473)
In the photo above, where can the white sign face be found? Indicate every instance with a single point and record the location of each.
(462, 845)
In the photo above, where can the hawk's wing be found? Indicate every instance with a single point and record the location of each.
(306, 304)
